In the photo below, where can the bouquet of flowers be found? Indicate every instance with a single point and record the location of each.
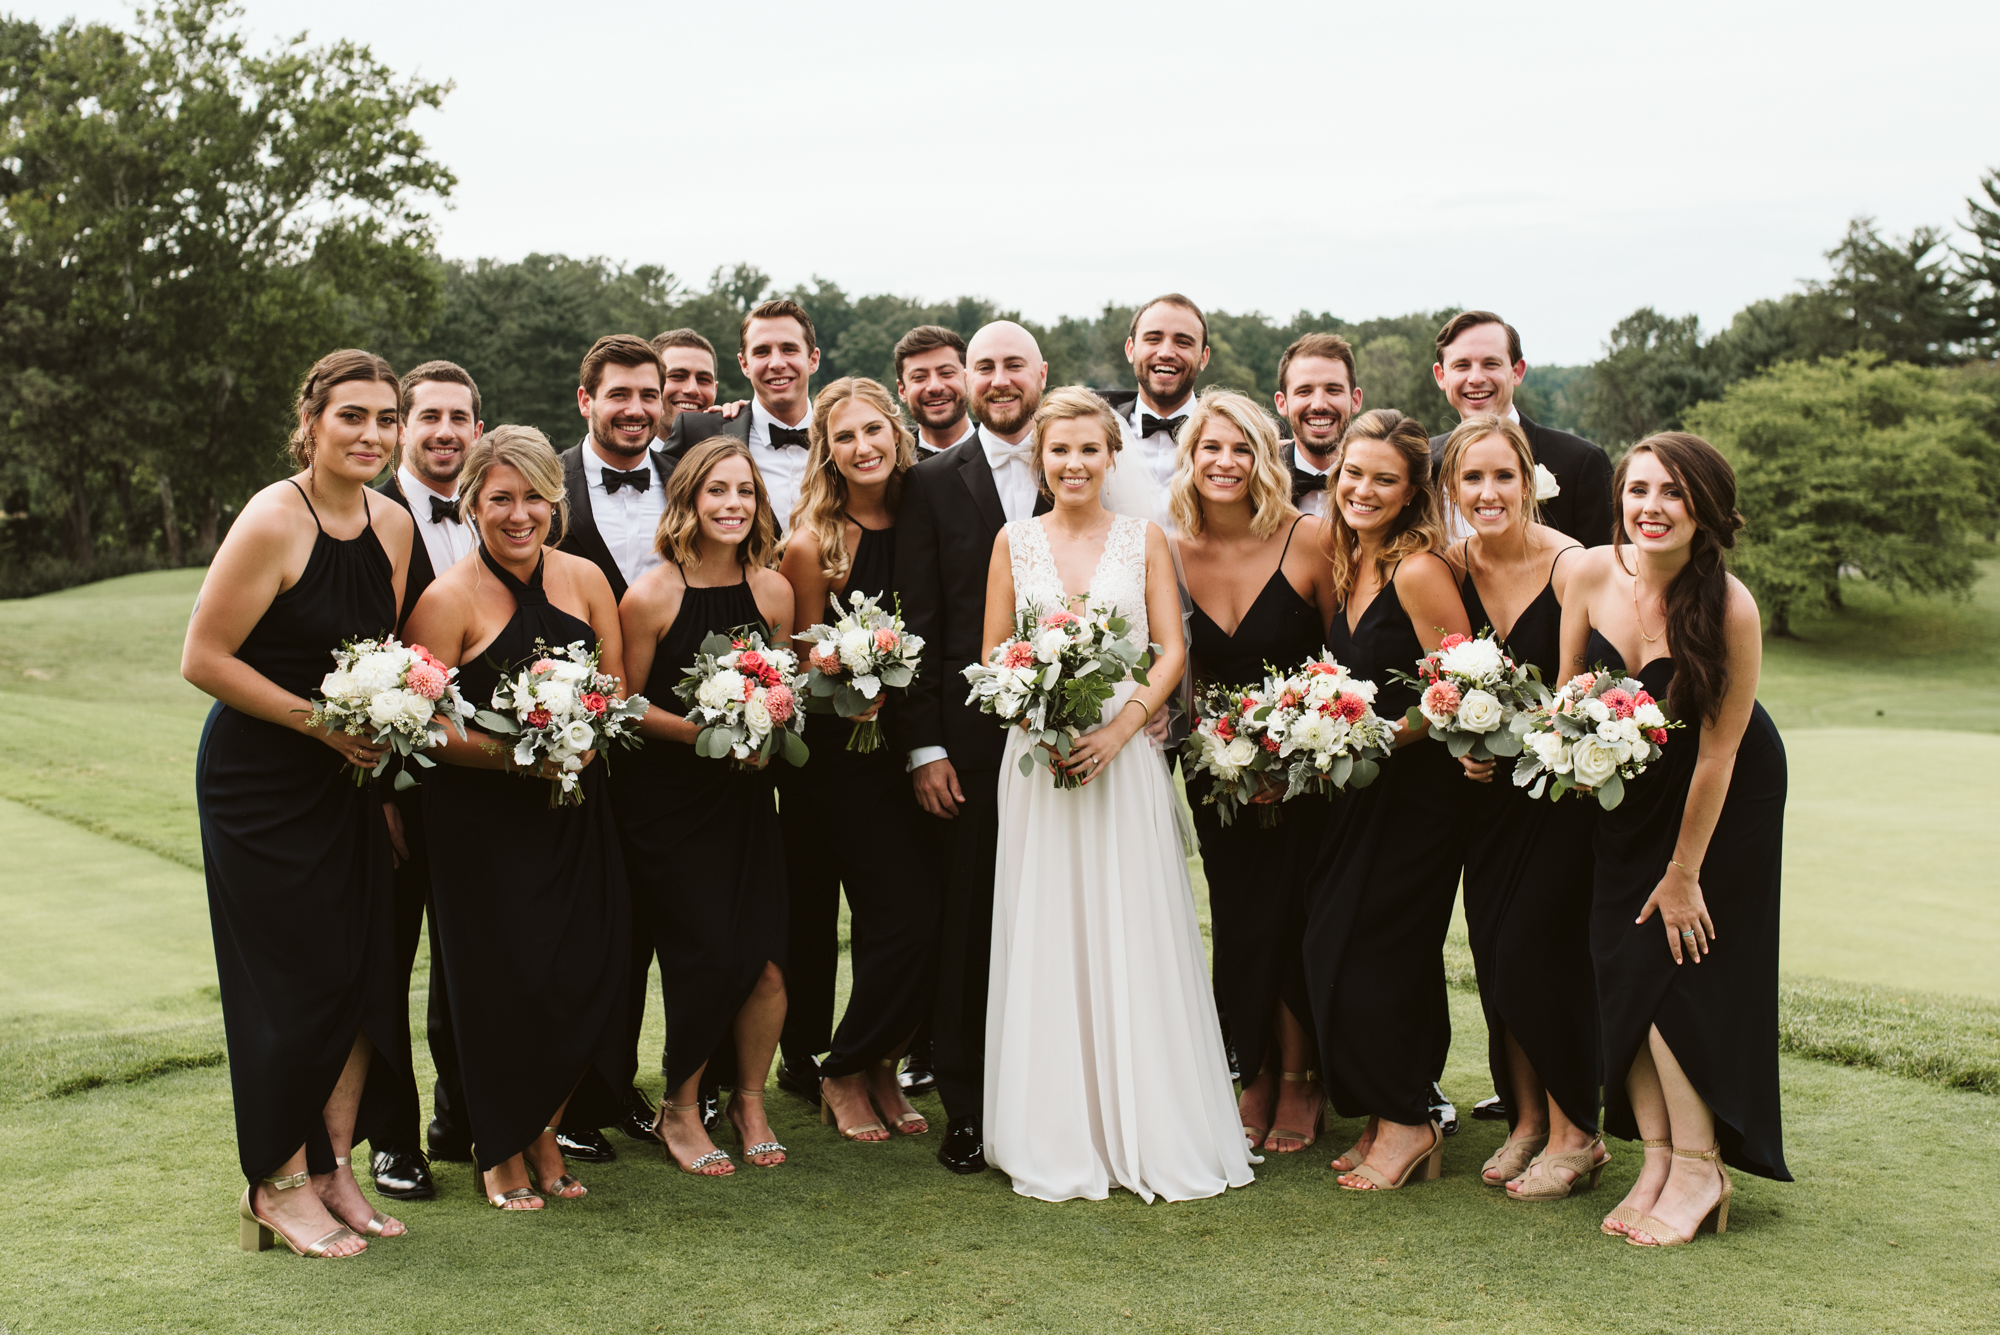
(1475, 697)
(1054, 675)
(745, 695)
(558, 707)
(1314, 729)
(1599, 730)
(864, 651)
(392, 694)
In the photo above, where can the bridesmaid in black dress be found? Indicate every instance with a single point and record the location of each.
(1254, 564)
(851, 819)
(300, 889)
(701, 835)
(531, 902)
(1380, 895)
(1690, 1022)
(1527, 862)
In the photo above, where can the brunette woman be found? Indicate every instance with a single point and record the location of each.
(1527, 862)
(532, 909)
(1263, 594)
(1379, 901)
(705, 848)
(300, 889)
(851, 818)
(1689, 1022)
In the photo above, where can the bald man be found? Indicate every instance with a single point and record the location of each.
(954, 504)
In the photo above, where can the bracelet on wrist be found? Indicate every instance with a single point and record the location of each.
(1144, 708)
(1692, 871)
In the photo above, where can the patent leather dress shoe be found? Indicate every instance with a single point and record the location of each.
(711, 1112)
(448, 1144)
(802, 1083)
(1490, 1110)
(638, 1119)
(586, 1146)
(1443, 1111)
(402, 1175)
(916, 1079)
(964, 1148)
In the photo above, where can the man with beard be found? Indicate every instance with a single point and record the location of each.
(689, 362)
(1318, 397)
(440, 406)
(930, 379)
(1479, 365)
(953, 506)
(1168, 348)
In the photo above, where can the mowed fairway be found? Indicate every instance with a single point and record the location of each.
(119, 1163)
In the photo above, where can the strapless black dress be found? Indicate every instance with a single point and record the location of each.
(1257, 875)
(1527, 903)
(533, 915)
(1719, 1017)
(301, 892)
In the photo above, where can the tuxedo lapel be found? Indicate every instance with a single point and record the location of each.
(418, 574)
(581, 517)
(663, 468)
(977, 474)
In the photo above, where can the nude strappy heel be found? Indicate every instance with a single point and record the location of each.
(1431, 1161)
(1512, 1159)
(826, 1118)
(701, 1162)
(1548, 1187)
(1658, 1233)
(1306, 1139)
(257, 1234)
(1624, 1217)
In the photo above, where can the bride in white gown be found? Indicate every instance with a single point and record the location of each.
(1104, 1058)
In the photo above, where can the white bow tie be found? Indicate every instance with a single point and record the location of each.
(1003, 453)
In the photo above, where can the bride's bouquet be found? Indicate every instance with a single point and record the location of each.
(745, 695)
(1476, 698)
(1054, 675)
(558, 707)
(863, 652)
(393, 695)
(1599, 730)
(1313, 730)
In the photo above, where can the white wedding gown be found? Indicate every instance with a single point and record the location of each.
(1104, 1059)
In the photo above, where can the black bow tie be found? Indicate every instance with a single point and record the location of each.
(1148, 424)
(638, 480)
(1305, 482)
(442, 510)
(781, 436)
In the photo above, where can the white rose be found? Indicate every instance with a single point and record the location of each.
(856, 646)
(1546, 486)
(1240, 752)
(1050, 644)
(757, 716)
(417, 711)
(578, 736)
(727, 687)
(1323, 687)
(375, 673)
(1624, 731)
(1594, 759)
(555, 696)
(1649, 716)
(385, 708)
(1594, 709)
(337, 685)
(1007, 704)
(1480, 711)
(1550, 749)
(1478, 659)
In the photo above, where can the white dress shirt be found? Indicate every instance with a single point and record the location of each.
(925, 448)
(1455, 527)
(626, 521)
(1157, 451)
(446, 540)
(1318, 502)
(783, 467)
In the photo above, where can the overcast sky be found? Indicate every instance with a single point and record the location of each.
(1562, 163)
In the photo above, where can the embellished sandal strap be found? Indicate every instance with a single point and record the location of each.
(1656, 1144)
(1715, 1153)
(764, 1147)
(713, 1156)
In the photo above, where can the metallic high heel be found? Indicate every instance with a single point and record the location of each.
(911, 1123)
(377, 1221)
(1306, 1139)
(560, 1188)
(257, 1234)
(1658, 1233)
(504, 1200)
(1512, 1159)
(1623, 1217)
(750, 1152)
(826, 1118)
(1548, 1187)
(701, 1161)
(1431, 1161)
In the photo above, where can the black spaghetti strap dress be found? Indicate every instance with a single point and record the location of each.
(852, 822)
(706, 853)
(533, 913)
(301, 894)
(1378, 902)
(1257, 875)
(1527, 901)
(1719, 1017)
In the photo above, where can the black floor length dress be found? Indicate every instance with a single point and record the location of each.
(852, 820)
(705, 850)
(1719, 1017)
(1257, 875)
(1378, 902)
(301, 895)
(1527, 901)
(532, 907)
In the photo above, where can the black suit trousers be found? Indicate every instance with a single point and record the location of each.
(969, 843)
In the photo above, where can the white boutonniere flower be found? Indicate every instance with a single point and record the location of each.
(1546, 486)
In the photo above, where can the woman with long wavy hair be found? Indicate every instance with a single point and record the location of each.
(851, 818)
(1379, 900)
(1684, 918)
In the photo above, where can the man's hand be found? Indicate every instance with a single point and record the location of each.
(398, 845)
(937, 788)
(1158, 725)
(728, 411)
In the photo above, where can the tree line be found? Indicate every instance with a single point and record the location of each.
(188, 223)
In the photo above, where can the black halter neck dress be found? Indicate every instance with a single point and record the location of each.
(1256, 874)
(1527, 899)
(532, 912)
(301, 895)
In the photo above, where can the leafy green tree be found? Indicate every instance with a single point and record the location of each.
(1654, 369)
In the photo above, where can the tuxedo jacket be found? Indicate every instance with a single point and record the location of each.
(1582, 470)
(581, 537)
(946, 522)
(420, 575)
(691, 429)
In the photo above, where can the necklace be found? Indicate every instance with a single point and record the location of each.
(1649, 639)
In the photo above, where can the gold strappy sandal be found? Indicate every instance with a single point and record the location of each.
(1548, 1187)
(564, 1188)
(1512, 1159)
(853, 1133)
(1623, 1217)
(1659, 1233)
(911, 1123)
(258, 1234)
(1431, 1161)
(1306, 1139)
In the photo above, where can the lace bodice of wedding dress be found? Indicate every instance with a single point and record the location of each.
(1119, 582)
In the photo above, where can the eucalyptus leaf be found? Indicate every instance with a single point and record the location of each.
(1365, 772)
(1027, 764)
(493, 722)
(405, 781)
(1413, 718)
(796, 752)
(1610, 793)
(1459, 744)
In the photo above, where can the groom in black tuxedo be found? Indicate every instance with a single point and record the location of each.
(954, 505)
(1317, 396)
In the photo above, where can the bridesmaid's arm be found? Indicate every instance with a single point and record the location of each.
(1429, 595)
(1000, 598)
(442, 621)
(807, 583)
(1586, 574)
(648, 609)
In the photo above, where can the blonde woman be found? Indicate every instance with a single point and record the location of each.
(532, 910)
(1263, 593)
(1381, 893)
(851, 818)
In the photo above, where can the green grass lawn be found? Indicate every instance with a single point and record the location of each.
(117, 1155)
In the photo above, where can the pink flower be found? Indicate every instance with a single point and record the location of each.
(425, 679)
(1452, 641)
(1582, 682)
(595, 703)
(1618, 702)
(1059, 619)
(1642, 698)
(1323, 669)
(1657, 736)
(1271, 744)
(1350, 706)
(750, 685)
(424, 655)
(779, 701)
(1225, 728)
(886, 640)
(1289, 700)
(1441, 700)
(1017, 654)
(538, 718)
(750, 663)
(542, 665)
(824, 659)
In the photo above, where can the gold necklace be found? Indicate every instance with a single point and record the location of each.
(1649, 639)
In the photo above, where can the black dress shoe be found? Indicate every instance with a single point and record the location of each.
(640, 1113)
(802, 1083)
(447, 1143)
(402, 1175)
(711, 1112)
(1443, 1112)
(964, 1150)
(916, 1079)
(1490, 1110)
(586, 1146)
